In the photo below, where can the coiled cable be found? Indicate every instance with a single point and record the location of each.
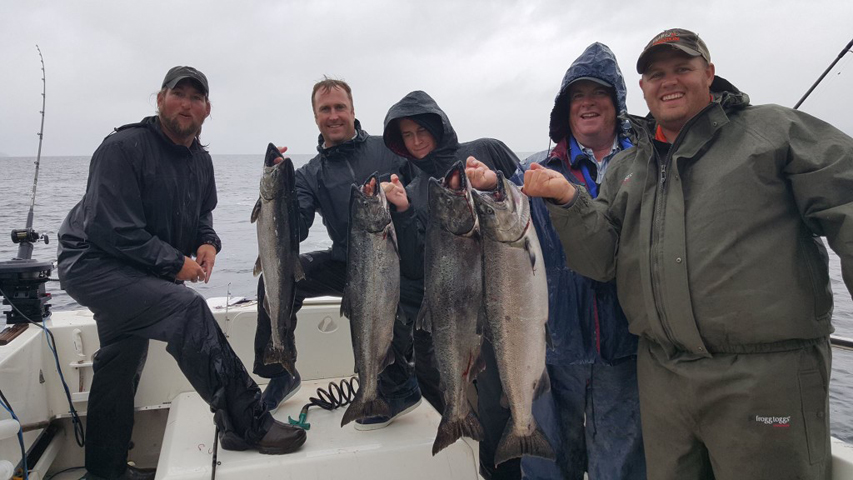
(336, 395)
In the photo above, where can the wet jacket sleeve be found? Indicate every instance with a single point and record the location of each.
(114, 220)
(820, 172)
(588, 232)
(307, 200)
(206, 233)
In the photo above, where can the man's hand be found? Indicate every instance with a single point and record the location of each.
(546, 183)
(190, 272)
(205, 257)
(480, 176)
(279, 159)
(395, 192)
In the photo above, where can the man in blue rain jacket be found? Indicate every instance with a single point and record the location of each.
(592, 414)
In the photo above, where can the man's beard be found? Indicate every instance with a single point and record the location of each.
(172, 124)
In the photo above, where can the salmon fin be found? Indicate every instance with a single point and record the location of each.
(360, 409)
(256, 211)
(279, 355)
(529, 249)
(298, 272)
(424, 320)
(451, 430)
(477, 366)
(481, 319)
(388, 359)
(258, 268)
(393, 233)
(543, 385)
(346, 308)
(504, 402)
(513, 445)
(267, 306)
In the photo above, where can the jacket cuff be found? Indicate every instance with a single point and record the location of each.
(217, 244)
(568, 204)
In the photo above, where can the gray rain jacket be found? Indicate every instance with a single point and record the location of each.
(715, 247)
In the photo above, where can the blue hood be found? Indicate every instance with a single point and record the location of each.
(597, 61)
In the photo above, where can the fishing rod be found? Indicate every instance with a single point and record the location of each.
(843, 52)
(27, 236)
(22, 278)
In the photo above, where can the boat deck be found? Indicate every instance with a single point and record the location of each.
(400, 450)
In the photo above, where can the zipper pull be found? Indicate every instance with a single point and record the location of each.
(663, 173)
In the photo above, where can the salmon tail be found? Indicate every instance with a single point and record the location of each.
(360, 409)
(513, 445)
(278, 354)
(451, 430)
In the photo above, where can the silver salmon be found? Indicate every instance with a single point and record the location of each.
(452, 305)
(371, 295)
(277, 216)
(516, 304)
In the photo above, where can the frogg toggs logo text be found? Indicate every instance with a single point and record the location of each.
(774, 421)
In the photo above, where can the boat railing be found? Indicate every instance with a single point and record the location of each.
(841, 342)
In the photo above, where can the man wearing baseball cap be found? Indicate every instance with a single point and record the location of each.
(143, 228)
(711, 227)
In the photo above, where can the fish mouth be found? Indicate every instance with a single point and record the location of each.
(272, 153)
(499, 194)
(371, 186)
(456, 171)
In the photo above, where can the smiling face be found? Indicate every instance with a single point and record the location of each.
(182, 111)
(592, 115)
(335, 116)
(419, 142)
(676, 87)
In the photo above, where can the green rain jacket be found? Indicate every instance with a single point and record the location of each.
(716, 248)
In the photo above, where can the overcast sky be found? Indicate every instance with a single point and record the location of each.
(494, 67)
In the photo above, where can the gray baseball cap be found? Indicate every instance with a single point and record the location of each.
(176, 74)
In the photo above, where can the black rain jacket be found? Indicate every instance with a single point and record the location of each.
(323, 185)
(148, 203)
(448, 150)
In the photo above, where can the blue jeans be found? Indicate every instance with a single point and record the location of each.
(592, 419)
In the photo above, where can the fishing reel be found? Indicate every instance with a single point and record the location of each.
(21, 235)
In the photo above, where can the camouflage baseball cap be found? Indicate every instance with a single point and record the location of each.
(684, 40)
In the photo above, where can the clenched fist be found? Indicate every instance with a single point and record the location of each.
(546, 183)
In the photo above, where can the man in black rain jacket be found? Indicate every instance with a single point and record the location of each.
(125, 251)
(346, 155)
(446, 150)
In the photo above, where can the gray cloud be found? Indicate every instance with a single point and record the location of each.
(494, 66)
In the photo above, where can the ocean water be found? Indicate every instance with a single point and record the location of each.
(62, 182)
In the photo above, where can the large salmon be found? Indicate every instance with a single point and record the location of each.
(277, 216)
(371, 295)
(452, 305)
(516, 302)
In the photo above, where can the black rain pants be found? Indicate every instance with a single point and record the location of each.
(131, 308)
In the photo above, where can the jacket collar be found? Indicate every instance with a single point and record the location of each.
(344, 148)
